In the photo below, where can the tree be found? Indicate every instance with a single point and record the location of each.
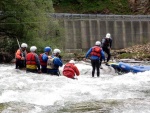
(28, 20)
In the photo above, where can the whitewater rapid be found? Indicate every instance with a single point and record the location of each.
(22, 92)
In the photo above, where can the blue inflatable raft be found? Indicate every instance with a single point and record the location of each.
(125, 68)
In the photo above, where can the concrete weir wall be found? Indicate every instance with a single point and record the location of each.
(81, 31)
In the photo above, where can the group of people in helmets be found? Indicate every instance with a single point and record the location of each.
(46, 63)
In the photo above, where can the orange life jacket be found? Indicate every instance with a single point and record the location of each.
(30, 59)
(20, 54)
(68, 70)
(96, 51)
(41, 60)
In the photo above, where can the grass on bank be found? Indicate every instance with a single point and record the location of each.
(139, 56)
(87, 6)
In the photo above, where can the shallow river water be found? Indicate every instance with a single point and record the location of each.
(22, 92)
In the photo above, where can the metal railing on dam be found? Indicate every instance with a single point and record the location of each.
(82, 30)
(99, 16)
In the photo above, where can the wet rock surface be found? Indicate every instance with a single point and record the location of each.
(137, 52)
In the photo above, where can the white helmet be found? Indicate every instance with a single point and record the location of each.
(24, 45)
(72, 61)
(56, 51)
(108, 35)
(33, 48)
(97, 43)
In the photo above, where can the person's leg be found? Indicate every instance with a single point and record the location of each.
(97, 67)
(107, 51)
(21, 64)
(24, 64)
(17, 63)
(52, 72)
(31, 70)
(56, 73)
(93, 67)
(100, 63)
(109, 55)
(43, 69)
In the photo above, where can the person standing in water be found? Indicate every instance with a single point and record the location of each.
(95, 53)
(32, 61)
(54, 62)
(20, 56)
(106, 46)
(43, 59)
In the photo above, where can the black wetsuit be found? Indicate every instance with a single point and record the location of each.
(106, 46)
(95, 64)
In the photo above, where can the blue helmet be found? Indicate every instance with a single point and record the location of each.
(47, 49)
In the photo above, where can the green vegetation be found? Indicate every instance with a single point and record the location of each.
(139, 56)
(127, 55)
(29, 22)
(96, 6)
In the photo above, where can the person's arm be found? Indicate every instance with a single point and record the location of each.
(76, 70)
(37, 62)
(57, 61)
(102, 55)
(110, 42)
(89, 51)
(44, 57)
(18, 54)
(103, 41)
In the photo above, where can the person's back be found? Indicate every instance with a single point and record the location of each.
(32, 61)
(54, 62)
(70, 70)
(95, 53)
(43, 59)
(106, 42)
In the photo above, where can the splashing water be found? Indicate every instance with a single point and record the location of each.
(22, 92)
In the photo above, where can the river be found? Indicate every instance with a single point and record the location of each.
(22, 92)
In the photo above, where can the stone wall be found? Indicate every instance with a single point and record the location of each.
(82, 33)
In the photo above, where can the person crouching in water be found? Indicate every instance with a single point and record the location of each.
(70, 70)
(32, 61)
(43, 59)
(95, 53)
(20, 56)
(54, 62)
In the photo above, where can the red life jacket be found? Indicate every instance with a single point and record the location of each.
(96, 51)
(30, 59)
(41, 60)
(68, 71)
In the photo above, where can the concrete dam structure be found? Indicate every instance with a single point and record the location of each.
(82, 30)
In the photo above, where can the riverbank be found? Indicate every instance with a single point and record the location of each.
(137, 52)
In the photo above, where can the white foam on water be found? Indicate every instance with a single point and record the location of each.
(45, 90)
